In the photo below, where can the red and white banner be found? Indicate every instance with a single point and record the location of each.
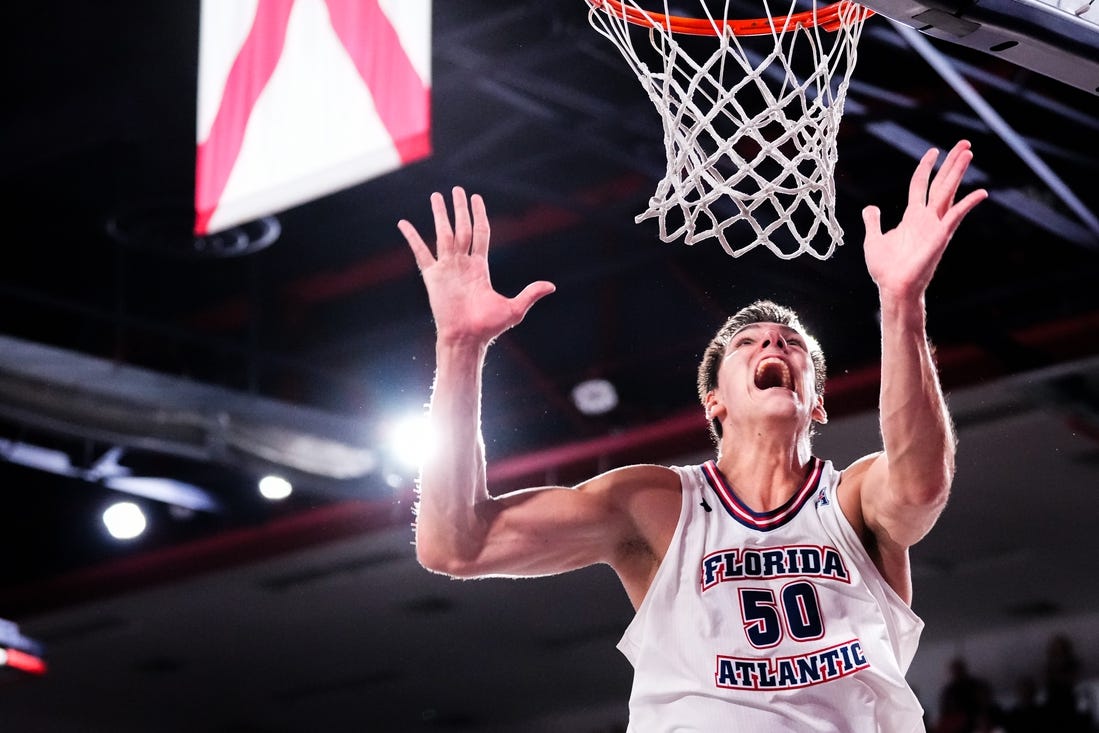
(301, 98)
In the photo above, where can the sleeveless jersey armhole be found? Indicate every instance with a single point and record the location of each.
(852, 538)
(899, 613)
(633, 636)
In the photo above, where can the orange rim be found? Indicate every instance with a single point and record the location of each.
(830, 17)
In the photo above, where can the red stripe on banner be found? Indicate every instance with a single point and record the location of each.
(251, 71)
(400, 97)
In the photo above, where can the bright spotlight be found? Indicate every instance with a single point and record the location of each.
(274, 487)
(411, 440)
(124, 520)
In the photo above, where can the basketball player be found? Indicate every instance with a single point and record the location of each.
(772, 589)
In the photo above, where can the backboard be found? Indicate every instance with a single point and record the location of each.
(1057, 38)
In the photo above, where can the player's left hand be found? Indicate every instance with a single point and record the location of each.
(902, 260)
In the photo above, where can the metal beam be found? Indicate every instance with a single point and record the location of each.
(941, 64)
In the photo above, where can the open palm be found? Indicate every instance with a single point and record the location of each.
(902, 260)
(465, 305)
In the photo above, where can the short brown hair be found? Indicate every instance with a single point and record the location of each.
(762, 311)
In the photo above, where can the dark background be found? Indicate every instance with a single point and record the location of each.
(310, 614)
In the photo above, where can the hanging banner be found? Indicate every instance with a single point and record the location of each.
(301, 98)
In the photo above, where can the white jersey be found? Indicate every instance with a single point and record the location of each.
(770, 622)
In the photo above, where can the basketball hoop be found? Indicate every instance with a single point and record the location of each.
(749, 130)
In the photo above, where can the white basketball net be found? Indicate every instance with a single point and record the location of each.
(750, 137)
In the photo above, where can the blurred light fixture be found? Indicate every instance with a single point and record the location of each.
(19, 651)
(412, 440)
(595, 397)
(167, 228)
(164, 490)
(275, 488)
(124, 520)
(21, 660)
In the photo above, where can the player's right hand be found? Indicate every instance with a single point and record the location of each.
(466, 308)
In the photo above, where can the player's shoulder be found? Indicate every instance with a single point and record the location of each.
(857, 470)
(850, 489)
(640, 476)
(649, 497)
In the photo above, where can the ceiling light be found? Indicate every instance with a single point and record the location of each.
(274, 487)
(412, 440)
(595, 397)
(124, 520)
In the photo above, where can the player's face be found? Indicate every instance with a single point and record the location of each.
(767, 370)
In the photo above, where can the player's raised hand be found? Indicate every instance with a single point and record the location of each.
(466, 307)
(902, 260)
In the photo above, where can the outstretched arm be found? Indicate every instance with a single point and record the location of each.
(907, 486)
(469, 314)
(462, 530)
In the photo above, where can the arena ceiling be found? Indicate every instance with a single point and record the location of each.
(127, 354)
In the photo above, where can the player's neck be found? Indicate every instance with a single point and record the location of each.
(764, 470)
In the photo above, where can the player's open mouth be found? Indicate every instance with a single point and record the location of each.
(773, 372)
